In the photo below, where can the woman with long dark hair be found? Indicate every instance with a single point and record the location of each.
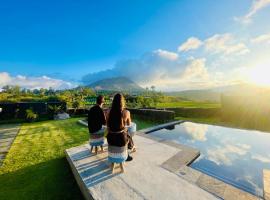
(118, 117)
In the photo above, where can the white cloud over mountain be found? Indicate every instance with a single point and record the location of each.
(195, 65)
(160, 68)
(33, 82)
(167, 54)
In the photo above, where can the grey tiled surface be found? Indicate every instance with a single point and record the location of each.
(266, 182)
(7, 136)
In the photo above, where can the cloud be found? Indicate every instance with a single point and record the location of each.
(198, 69)
(257, 5)
(34, 82)
(261, 158)
(195, 131)
(219, 43)
(190, 44)
(160, 69)
(226, 44)
(265, 38)
(166, 54)
(225, 155)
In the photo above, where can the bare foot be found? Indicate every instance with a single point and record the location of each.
(133, 150)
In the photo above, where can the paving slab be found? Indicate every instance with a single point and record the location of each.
(233, 193)
(7, 135)
(144, 177)
(4, 149)
(189, 174)
(266, 184)
(212, 185)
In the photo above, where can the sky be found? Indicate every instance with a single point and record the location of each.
(174, 45)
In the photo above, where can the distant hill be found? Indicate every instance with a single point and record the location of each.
(214, 94)
(197, 95)
(116, 84)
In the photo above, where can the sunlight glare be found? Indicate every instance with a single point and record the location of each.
(260, 74)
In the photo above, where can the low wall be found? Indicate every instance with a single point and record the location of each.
(196, 112)
(77, 112)
(153, 114)
(18, 110)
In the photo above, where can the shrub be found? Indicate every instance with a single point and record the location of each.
(31, 115)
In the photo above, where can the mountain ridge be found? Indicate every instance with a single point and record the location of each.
(116, 84)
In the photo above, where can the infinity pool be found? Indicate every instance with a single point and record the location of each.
(234, 156)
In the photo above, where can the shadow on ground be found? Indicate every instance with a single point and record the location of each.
(45, 184)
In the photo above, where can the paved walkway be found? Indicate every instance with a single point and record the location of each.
(7, 135)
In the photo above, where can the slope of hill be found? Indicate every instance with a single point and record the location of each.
(116, 84)
(214, 94)
(198, 95)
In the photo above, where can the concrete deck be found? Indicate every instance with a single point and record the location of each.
(148, 176)
(7, 135)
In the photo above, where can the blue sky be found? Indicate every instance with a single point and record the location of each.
(65, 42)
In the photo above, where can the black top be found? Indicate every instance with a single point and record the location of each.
(96, 119)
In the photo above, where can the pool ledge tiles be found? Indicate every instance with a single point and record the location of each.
(266, 184)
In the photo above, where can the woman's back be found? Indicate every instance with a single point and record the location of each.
(115, 120)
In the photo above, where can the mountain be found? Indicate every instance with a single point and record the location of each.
(197, 95)
(214, 94)
(122, 84)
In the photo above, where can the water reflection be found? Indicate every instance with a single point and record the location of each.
(194, 132)
(235, 156)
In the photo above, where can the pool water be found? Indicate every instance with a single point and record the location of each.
(234, 156)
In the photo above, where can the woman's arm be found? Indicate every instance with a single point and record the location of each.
(127, 118)
(107, 112)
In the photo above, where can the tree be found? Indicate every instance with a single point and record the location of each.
(76, 104)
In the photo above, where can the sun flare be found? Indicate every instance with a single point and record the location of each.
(260, 74)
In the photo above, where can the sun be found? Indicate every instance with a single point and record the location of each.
(260, 74)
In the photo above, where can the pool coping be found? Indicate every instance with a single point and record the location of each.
(266, 183)
(179, 164)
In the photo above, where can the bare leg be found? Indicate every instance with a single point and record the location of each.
(122, 167)
(96, 150)
(91, 149)
(113, 165)
(102, 150)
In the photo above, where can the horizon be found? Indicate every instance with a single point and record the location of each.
(175, 45)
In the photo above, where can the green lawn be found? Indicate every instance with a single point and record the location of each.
(188, 104)
(36, 167)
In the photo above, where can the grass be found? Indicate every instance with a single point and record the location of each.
(188, 104)
(36, 167)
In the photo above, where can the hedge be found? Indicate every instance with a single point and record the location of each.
(18, 110)
(196, 112)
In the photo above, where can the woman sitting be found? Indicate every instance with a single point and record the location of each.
(117, 137)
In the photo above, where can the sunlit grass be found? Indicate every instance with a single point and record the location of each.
(36, 167)
(188, 104)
